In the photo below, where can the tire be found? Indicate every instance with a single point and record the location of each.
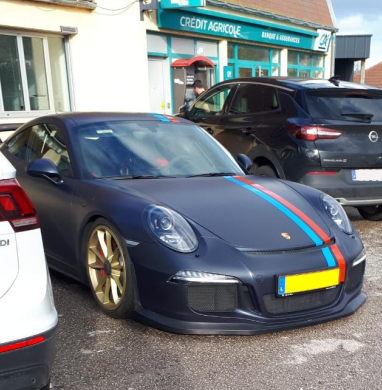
(46, 387)
(110, 276)
(265, 170)
(371, 213)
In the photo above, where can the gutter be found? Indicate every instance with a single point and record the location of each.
(270, 15)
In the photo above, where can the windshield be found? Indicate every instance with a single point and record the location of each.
(345, 106)
(150, 149)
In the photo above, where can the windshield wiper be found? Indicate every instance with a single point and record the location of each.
(213, 174)
(359, 115)
(138, 177)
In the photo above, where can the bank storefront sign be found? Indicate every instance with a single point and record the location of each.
(229, 26)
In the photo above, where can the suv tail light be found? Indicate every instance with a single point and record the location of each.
(15, 207)
(312, 133)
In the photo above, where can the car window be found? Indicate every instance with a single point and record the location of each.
(345, 105)
(212, 103)
(129, 148)
(254, 99)
(18, 144)
(47, 142)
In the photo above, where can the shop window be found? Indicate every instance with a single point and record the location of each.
(33, 75)
(208, 49)
(182, 46)
(318, 61)
(275, 56)
(253, 54)
(305, 65)
(231, 51)
(292, 58)
(304, 60)
(292, 72)
(156, 44)
(249, 61)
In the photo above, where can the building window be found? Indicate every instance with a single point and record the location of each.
(305, 65)
(33, 75)
(250, 61)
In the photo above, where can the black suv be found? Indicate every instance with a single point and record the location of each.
(323, 133)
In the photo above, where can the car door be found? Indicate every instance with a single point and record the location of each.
(254, 118)
(208, 111)
(53, 202)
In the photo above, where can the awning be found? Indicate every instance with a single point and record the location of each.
(198, 61)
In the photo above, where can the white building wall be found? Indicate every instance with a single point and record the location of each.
(108, 55)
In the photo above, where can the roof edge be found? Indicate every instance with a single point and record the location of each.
(270, 15)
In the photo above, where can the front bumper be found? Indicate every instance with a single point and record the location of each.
(29, 367)
(346, 191)
(254, 306)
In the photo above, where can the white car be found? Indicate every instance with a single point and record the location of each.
(28, 317)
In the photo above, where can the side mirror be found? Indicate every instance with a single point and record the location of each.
(244, 161)
(44, 168)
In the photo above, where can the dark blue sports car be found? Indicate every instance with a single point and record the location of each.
(167, 228)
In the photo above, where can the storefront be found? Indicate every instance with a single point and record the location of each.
(237, 45)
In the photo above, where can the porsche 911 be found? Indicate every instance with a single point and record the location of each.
(167, 228)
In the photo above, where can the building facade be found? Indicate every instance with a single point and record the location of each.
(66, 55)
(71, 55)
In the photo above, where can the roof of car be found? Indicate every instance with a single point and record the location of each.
(83, 118)
(299, 84)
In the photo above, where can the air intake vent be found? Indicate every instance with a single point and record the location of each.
(301, 302)
(213, 298)
(69, 30)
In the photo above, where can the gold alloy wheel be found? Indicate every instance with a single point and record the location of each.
(106, 267)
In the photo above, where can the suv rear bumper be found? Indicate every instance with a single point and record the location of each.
(29, 367)
(346, 191)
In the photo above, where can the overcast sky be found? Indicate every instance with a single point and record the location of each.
(361, 17)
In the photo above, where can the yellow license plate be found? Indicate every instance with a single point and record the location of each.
(293, 284)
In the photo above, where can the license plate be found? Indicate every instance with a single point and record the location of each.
(367, 174)
(293, 284)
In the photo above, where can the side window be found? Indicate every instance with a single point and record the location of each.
(18, 145)
(47, 141)
(213, 103)
(254, 99)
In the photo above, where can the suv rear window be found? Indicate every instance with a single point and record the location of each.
(345, 106)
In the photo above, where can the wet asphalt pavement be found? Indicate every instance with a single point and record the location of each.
(98, 352)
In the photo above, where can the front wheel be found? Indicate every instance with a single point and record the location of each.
(371, 213)
(109, 269)
(265, 170)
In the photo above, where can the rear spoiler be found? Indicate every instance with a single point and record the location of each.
(7, 129)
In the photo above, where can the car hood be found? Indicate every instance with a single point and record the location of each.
(234, 213)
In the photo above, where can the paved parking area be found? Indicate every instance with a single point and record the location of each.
(97, 352)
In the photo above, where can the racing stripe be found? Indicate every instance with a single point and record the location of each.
(317, 235)
(340, 261)
(313, 236)
(161, 117)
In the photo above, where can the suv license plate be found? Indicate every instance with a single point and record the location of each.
(367, 174)
(293, 284)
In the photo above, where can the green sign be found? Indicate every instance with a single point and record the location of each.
(228, 73)
(169, 4)
(223, 26)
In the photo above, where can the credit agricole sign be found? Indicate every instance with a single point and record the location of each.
(210, 23)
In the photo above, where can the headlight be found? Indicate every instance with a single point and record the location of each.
(337, 213)
(171, 229)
